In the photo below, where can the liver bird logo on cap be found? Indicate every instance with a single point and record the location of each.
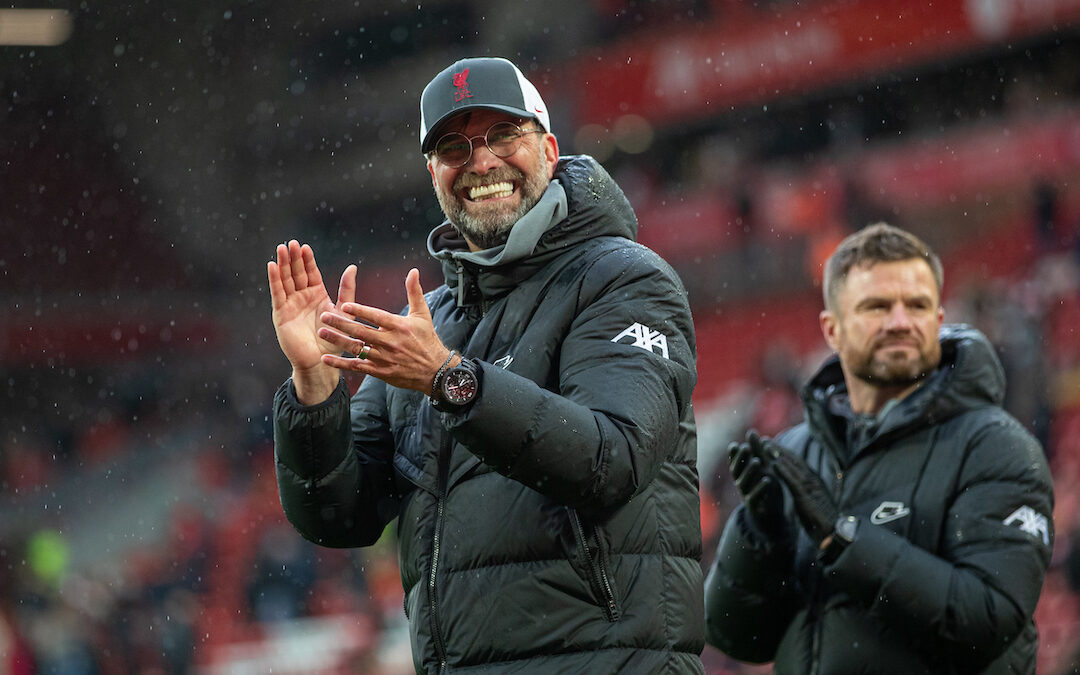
(461, 82)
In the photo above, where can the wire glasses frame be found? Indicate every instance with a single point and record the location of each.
(503, 139)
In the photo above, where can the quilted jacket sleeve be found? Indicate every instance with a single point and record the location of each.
(334, 492)
(749, 595)
(977, 595)
(623, 405)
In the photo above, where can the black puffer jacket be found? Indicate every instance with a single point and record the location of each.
(954, 502)
(554, 527)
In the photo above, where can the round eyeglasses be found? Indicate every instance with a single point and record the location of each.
(503, 139)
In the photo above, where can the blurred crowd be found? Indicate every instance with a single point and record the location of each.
(217, 568)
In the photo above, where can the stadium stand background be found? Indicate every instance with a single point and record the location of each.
(150, 163)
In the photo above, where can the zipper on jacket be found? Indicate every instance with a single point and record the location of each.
(460, 283)
(597, 568)
(817, 616)
(436, 634)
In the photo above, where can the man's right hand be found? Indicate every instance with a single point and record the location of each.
(751, 467)
(298, 298)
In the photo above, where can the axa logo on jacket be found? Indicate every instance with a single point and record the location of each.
(645, 337)
(1032, 522)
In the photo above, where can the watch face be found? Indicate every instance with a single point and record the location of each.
(846, 528)
(459, 387)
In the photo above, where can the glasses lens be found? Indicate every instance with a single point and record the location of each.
(503, 138)
(453, 149)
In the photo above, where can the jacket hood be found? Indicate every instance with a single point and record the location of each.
(969, 376)
(581, 202)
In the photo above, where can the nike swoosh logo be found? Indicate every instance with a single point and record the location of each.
(888, 512)
(504, 362)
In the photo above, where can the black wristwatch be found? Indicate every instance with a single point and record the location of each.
(456, 388)
(843, 534)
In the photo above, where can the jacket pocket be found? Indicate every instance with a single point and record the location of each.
(596, 564)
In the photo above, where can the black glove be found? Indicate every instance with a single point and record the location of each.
(758, 485)
(814, 504)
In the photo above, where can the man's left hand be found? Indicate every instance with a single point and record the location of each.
(814, 504)
(402, 351)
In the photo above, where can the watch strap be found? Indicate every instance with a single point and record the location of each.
(843, 534)
(439, 374)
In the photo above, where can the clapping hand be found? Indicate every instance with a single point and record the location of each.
(401, 350)
(814, 504)
(750, 463)
(321, 337)
(299, 298)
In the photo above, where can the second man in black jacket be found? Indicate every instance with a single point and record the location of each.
(905, 527)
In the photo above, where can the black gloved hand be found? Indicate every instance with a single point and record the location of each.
(760, 489)
(814, 504)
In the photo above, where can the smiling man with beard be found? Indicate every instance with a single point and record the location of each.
(484, 205)
(905, 526)
(528, 423)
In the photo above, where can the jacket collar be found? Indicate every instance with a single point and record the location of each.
(969, 376)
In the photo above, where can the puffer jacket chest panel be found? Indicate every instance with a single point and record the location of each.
(529, 322)
(888, 476)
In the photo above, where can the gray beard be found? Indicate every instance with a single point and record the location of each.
(493, 229)
(486, 231)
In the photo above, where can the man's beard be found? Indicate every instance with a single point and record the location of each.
(897, 374)
(492, 226)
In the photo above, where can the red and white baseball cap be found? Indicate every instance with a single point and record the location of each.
(482, 82)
